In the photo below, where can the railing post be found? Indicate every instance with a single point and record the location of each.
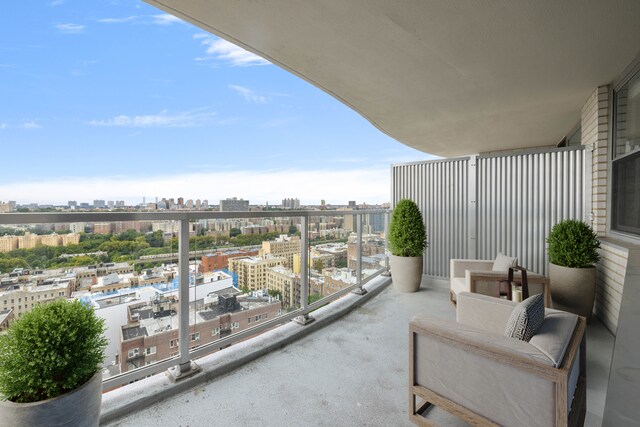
(359, 290)
(387, 271)
(304, 318)
(186, 366)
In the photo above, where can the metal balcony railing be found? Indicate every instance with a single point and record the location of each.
(181, 366)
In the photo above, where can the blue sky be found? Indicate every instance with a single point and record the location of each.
(117, 100)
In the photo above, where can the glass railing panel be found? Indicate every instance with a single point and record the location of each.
(246, 273)
(330, 270)
(373, 244)
(242, 273)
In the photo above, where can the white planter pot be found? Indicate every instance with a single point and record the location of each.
(406, 273)
(573, 289)
(78, 408)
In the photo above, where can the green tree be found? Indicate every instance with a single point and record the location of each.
(128, 235)
(155, 239)
(293, 229)
(234, 232)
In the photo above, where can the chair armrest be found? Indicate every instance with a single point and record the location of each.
(485, 312)
(459, 266)
(473, 276)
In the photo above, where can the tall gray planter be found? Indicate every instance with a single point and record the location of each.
(573, 289)
(406, 272)
(78, 408)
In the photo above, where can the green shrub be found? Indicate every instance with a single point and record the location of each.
(407, 235)
(51, 350)
(573, 244)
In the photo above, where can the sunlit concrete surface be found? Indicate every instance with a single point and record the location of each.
(351, 373)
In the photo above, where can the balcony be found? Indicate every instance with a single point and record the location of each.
(353, 371)
(348, 367)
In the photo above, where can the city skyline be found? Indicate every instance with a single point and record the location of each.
(100, 109)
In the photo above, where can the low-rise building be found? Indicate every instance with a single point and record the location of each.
(22, 298)
(220, 259)
(151, 333)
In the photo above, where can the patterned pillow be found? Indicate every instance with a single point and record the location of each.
(503, 262)
(526, 318)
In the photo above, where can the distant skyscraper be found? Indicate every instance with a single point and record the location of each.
(180, 201)
(352, 204)
(234, 205)
(291, 203)
(99, 204)
(72, 204)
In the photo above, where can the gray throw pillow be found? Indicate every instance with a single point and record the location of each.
(503, 262)
(526, 318)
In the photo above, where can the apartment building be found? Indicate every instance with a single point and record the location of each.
(284, 246)
(252, 271)
(286, 282)
(151, 333)
(234, 205)
(22, 298)
(220, 259)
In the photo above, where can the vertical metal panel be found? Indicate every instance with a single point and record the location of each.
(518, 198)
(440, 189)
(526, 194)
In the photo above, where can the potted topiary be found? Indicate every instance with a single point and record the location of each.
(573, 249)
(407, 241)
(50, 367)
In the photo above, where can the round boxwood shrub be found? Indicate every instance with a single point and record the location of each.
(573, 244)
(53, 349)
(407, 235)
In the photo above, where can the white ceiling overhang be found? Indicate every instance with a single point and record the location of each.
(445, 77)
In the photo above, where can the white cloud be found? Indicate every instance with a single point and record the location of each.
(30, 125)
(71, 28)
(3, 126)
(199, 117)
(166, 19)
(118, 20)
(161, 19)
(228, 53)
(248, 94)
(310, 186)
(56, 2)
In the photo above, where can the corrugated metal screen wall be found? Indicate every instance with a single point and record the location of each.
(475, 207)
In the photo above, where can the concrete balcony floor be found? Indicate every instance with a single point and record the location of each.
(352, 372)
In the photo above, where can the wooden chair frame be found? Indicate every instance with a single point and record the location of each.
(560, 376)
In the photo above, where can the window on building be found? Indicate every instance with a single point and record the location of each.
(173, 343)
(215, 332)
(150, 350)
(626, 158)
(133, 352)
(195, 336)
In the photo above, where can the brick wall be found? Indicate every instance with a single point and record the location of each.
(613, 264)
